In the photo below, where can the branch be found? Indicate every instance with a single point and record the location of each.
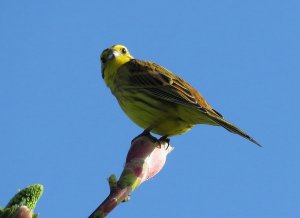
(145, 158)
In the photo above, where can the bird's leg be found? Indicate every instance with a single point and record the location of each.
(164, 139)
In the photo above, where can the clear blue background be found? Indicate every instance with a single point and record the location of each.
(61, 127)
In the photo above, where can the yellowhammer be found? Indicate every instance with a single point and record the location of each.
(155, 98)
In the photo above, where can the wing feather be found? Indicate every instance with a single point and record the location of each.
(160, 83)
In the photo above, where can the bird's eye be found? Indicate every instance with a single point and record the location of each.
(123, 50)
(103, 60)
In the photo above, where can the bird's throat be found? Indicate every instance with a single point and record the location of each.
(111, 70)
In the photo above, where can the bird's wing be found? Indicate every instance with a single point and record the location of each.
(160, 83)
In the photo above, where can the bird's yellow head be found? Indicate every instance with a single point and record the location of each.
(111, 60)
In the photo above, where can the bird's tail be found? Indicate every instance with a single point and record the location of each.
(231, 128)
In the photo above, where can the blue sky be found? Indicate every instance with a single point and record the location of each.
(61, 127)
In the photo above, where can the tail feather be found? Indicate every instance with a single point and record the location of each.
(231, 128)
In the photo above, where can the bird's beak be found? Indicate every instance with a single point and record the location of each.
(112, 54)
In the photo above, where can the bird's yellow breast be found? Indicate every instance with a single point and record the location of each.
(161, 118)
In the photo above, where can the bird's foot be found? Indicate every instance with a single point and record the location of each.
(162, 140)
(159, 142)
(146, 132)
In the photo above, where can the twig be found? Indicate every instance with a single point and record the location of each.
(145, 158)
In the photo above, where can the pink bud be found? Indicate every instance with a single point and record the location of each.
(147, 156)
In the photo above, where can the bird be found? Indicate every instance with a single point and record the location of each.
(155, 98)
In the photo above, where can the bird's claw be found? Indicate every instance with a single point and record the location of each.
(159, 142)
(162, 140)
(146, 132)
